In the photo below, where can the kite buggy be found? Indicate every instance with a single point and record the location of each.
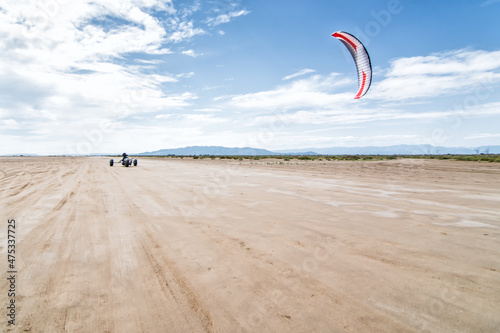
(126, 161)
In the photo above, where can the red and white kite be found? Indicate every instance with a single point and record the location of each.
(361, 58)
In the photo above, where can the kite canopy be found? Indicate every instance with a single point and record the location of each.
(361, 58)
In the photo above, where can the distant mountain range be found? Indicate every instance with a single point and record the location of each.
(372, 150)
(211, 150)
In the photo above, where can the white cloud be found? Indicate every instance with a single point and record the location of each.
(64, 62)
(204, 119)
(483, 136)
(375, 140)
(452, 63)
(164, 116)
(456, 72)
(299, 73)
(185, 75)
(225, 18)
(152, 62)
(67, 46)
(191, 53)
(314, 92)
(10, 124)
(207, 110)
(184, 31)
(356, 114)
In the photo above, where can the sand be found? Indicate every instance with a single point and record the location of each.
(251, 246)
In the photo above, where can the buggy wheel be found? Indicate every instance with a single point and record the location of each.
(127, 163)
(135, 162)
(111, 162)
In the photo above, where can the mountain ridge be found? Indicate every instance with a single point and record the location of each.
(368, 150)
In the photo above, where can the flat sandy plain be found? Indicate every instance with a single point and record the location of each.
(253, 246)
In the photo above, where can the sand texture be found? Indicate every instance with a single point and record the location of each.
(183, 245)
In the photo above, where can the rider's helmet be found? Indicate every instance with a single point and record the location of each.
(124, 154)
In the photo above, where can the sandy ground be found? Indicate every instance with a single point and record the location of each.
(254, 246)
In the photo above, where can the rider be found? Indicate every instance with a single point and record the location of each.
(124, 157)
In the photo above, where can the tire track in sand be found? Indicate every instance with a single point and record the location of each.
(176, 284)
(166, 292)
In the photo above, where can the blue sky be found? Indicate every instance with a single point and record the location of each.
(80, 77)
